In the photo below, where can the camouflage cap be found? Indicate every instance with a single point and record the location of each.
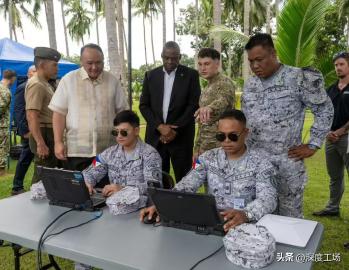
(47, 53)
(37, 191)
(250, 246)
(126, 200)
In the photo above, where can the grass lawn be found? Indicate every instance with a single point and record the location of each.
(316, 195)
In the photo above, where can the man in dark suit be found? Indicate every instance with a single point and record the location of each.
(168, 102)
(20, 118)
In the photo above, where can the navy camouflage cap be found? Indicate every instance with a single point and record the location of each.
(250, 246)
(47, 53)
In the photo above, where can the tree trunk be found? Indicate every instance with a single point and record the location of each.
(196, 33)
(113, 50)
(163, 11)
(174, 19)
(245, 68)
(50, 18)
(64, 28)
(348, 31)
(14, 32)
(120, 20)
(10, 19)
(125, 40)
(96, 19)
(277, 4)
(268, 17)
(217, 14)
(145, 42)
(152, 36)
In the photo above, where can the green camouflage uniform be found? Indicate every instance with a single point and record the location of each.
(219, 95)
(5, 100)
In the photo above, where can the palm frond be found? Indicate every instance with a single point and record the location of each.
(31, 17)
(227, 34)
(298, 25)
(325, 65)
(343, 9)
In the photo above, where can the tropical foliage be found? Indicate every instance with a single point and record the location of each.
(297, 31)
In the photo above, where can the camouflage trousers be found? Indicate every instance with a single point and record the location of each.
(290, 181)
(4, 146)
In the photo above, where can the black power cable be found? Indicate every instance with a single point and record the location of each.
(43, 239)
(209, 256)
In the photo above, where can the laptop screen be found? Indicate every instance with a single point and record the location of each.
(176, 208)
(63, 185)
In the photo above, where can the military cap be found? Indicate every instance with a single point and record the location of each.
(126, 200)
(47, 53)
(250, 246)
(37, 191)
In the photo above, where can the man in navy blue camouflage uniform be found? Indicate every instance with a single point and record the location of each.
(275, 101)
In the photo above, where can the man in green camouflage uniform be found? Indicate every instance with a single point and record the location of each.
(217, 97)
(9, 77)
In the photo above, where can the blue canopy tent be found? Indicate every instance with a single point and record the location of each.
(19, 58)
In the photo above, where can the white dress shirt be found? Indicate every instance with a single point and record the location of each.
(168, 85)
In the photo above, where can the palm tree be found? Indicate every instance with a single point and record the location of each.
(298, 27)
(98, 8)
(344, 12)
(120, 21)
(140, 10)
(163, 11)
(79, 24)
(245, 67)
(258, 11)
(113, 48)
(14, 10)
(50, 18)
(174, 19)
(63, 2)
(268, 17)
(217, 14)
(149, 8)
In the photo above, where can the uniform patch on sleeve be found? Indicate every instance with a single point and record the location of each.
(96, 162)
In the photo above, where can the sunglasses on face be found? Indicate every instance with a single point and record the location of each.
(340, 55)
(232, 136)
(122, 132)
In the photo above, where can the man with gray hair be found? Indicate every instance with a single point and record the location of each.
(84, 106)
(168, 102)
(20, 119)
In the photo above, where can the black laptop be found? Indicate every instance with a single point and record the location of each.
(67, 188)
(188, 211)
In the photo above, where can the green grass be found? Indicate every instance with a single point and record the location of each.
(315, 198)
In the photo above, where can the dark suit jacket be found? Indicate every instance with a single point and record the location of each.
(19, 110)
(183, 104)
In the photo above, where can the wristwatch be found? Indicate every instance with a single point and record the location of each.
(312, 146)
(248, 215)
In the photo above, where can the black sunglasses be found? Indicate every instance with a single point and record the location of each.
(340, 55)
(123, 133)
(220, 136)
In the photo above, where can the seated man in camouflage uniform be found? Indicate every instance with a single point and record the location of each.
(239, 179)
(130, 162)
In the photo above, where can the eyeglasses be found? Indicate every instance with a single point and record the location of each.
(340, 55)
(232, 136)
(122, 132)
